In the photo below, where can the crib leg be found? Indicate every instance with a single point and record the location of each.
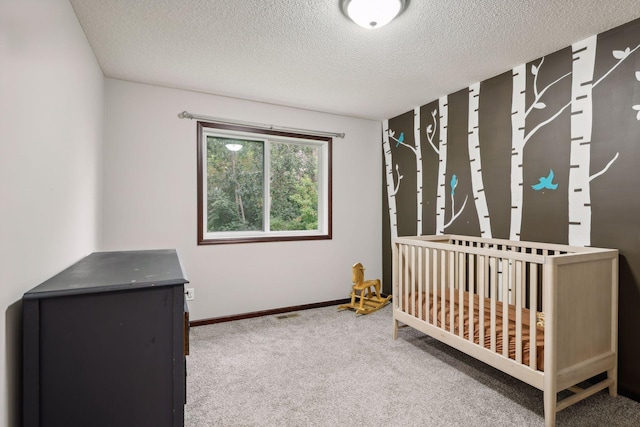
(612, 374)
(550, 401)
(395, 329)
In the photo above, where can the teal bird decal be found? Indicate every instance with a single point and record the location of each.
(545, 182)
(454, 183)
(400, 139)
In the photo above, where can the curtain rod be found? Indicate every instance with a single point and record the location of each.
(187, 115)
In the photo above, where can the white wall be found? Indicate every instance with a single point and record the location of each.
(51, 130)
(150, 201)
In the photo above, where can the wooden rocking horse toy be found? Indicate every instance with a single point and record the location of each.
(366, 291)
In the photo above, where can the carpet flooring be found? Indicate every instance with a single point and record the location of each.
(322, 367)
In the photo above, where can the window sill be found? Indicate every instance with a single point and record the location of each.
(271, 237)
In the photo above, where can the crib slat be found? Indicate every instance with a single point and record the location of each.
(451, 283)
(483, 275)
(443, 279)
(400, 262)
(519, 282)
(398, 276)
(427, 276)
(523, 295)
(420, 281)
(460, 284)
(436, 273)
(412, 282)
(494, 297)
(487, 283)
(472, 287)
(405, 280)
(506, 284)
(533, 307)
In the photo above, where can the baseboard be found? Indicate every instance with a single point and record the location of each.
(214, 320)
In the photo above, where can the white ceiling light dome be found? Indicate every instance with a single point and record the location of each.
(372, 14)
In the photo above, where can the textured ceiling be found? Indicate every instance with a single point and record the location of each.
(307, 54)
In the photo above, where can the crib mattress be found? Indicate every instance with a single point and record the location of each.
(441, 303)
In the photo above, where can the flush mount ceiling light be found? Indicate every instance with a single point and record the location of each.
(372, 14)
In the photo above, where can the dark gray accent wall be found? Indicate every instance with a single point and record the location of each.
(549, 212)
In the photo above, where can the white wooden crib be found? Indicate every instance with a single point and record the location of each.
(543, 313)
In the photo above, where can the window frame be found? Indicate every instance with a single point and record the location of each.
(325, 143)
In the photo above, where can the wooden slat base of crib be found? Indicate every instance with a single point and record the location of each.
(581, 393)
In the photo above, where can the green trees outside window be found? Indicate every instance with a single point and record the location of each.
(294, 187)
(254, 186)
(235, 185)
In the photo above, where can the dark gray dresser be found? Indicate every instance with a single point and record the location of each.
(105, 343)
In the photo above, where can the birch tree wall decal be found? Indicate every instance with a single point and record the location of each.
(477, 183)
(581, 128)
(520, 138)
(417, 151)
(442, 165)
(581, 125)
(517, 146)
(392, 184)
(584, 61)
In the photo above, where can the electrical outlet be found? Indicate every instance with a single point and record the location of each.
(189, 294)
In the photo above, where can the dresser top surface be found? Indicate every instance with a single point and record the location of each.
(114, 271)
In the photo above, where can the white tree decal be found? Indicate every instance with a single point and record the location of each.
(392, 184)
(477, 182)
(443, 108)
(584, 60)
(417, 151)
(517, 146)
(581, 128)
(637, 107)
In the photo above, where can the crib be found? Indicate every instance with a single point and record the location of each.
(543, 313)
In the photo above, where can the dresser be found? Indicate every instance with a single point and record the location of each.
(105, 343)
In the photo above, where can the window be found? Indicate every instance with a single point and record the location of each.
(262, 185)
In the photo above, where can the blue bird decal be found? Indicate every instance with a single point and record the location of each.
(400, 139)
(454, 183)
(545, 182)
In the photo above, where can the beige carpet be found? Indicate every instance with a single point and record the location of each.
(322, 367)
